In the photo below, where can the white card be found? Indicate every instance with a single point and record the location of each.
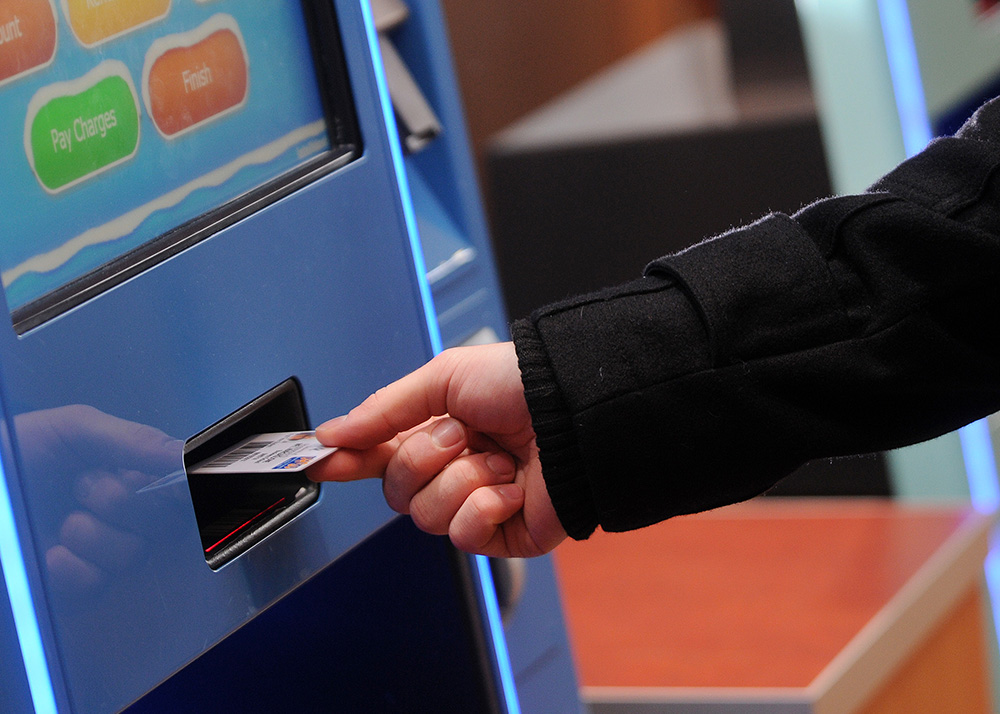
(263, 453)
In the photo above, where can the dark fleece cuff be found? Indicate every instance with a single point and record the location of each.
(558, 451)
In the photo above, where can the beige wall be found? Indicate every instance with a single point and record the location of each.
(513, 55)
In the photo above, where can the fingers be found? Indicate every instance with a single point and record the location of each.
(420, 459)
(391, 410)
(107, 548)
(88, 552)
(352, 465)
(479, 385)
(111, 497)
(433, 507)
(99, 439)
(478, 525)
(431, 475)
(419, 454)
(71, 573)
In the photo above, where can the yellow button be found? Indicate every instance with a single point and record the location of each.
(97, 21)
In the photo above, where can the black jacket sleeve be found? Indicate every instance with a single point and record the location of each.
(859, 323)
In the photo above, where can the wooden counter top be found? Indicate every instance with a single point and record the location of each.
(800, 598)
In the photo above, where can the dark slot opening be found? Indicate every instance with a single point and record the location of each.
(235, 511)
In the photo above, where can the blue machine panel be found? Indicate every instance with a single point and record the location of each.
(126, 342)
(417, 656)
(14, 694)
(462, 274)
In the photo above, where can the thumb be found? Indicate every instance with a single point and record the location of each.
(392, 410)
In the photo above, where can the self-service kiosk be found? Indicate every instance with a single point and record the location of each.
(207, 233)
(462, 274)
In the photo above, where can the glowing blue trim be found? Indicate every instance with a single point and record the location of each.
(29, 635)
(396, 151)
(980, 465)
(485, 576)
(904, 66)
(499, 639)
(992, 573)
(977, 446)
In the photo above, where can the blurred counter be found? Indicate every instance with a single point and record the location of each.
(784, 606)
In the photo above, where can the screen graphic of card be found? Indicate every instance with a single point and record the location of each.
(263, 453)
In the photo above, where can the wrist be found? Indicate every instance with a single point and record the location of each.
(558, 451)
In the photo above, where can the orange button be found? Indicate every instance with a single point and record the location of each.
(96, 21)
(194, 77)
(27, 36)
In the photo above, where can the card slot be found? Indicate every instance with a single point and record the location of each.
(234, 511)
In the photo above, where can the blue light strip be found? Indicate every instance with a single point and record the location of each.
(991, 569)
(29, 634)
(499, 640)
(980, 465)
(977, 446)
(904, 66)
(409, 215)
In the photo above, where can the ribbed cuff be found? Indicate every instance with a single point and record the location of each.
(558, 449)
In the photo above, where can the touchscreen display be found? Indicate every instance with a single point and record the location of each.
(122, 121)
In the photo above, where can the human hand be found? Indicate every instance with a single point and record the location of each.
(94, 463)
(455, 449)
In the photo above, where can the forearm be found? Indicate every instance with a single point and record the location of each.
(860, 323)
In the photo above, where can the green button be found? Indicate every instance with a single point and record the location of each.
(75, 136)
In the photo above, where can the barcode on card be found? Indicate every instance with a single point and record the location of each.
(286, 451)
(236, 454)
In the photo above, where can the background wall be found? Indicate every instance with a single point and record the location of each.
(511, 57)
